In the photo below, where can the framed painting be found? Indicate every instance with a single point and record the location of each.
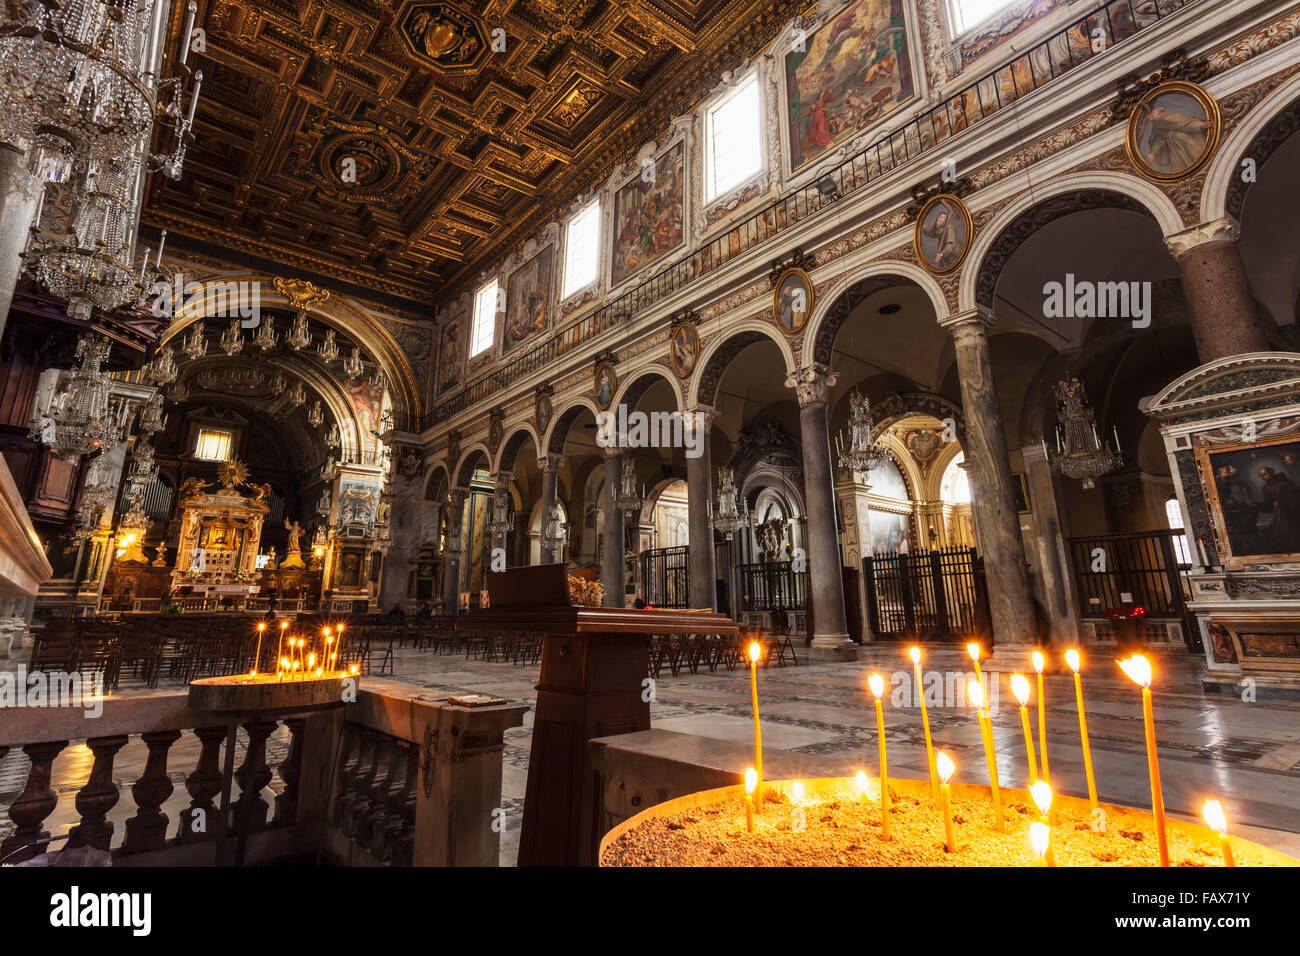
(449, 365)
(792, 301)
(542, 414)
(1173, 131)
(684, 349)
(1254, 499)
(852, 72)
(528, 299)
(649, 215)
(943, 234)
(605, 385)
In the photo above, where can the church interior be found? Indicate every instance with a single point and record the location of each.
(439, 340)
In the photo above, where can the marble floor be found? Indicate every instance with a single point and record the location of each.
(821, 716)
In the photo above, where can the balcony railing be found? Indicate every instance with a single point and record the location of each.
(1068, 48)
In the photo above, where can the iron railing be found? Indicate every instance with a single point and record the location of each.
(1140, 570)
(665, 577)
(1069, 47)
(773, 586)
(926, 594)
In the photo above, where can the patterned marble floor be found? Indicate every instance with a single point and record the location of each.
(1246, 754)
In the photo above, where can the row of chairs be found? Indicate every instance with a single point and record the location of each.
(693, 651)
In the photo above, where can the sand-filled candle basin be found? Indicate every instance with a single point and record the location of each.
(843, 829)
(245, 692)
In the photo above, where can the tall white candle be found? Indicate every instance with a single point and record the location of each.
(188, 31)
(161, 242)
(194, 97)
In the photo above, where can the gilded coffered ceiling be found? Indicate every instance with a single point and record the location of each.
(404, 146)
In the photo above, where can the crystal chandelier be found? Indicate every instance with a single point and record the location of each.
(232, 340)
(152, 418)
(862, 454)
(554, 533)
(81, 417)
(332, 439)
(299, 336)
(628, 498)
(328, 350)
(1080, 452)
(266, 336)
(354, 366)
(196, 344)
(503, 518)
(96, 495)
(141, 470)
(162, 370)
(315, 415)
(297, 395)
(178, 392)
(728, 518)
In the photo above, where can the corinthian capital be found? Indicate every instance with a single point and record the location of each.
(969, 328)
(698, 419)
(550, 462)
(1220, 230)
(811, 383)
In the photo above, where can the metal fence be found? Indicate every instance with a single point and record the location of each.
(1140, 569)
(927, 594)
(773, 586)
(665, 577)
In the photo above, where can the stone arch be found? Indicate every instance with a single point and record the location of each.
(900, 405)
(640, 381)
(1009, 229)
(717, 355)
(1257, 136)
(559, 430)
(510, 447)
(832, 309)
(438, 484)
(465, 467)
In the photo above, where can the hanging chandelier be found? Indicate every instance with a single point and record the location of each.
(315, 415)
(152, 418)
(862, 454)
(503, 518)
(96, 495)
(554, 533)
(1080, 452)
(232, 340)
(332, 439)
(728, 519)
(328, 350)
(354, 365)
(178, 392)
(628, 498)
(196, 344)
(141, 470)
(297, 395)
(82, 416)
(266, 336)
(299, 336)
(162, 370)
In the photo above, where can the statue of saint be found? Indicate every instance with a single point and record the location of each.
(295, 532)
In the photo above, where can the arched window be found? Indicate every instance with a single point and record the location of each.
(965, 15)
(955, 487)
(887, 480)
(1174, 515)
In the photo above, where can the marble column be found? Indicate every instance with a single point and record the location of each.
(1220, 305)
(825, 579)
(501, 487)
(453, 554)
(1056, 583)
(612, 575)
(19, 192)
(851, 496)
(997, 525)
(550, 466)
(703, 572)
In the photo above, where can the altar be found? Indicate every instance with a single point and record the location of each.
(221, 531)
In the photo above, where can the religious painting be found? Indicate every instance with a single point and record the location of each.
(542, 414)
(1173, 131)
(684, 349)
(854, 71)
(890, 533)
(449, 356)
(358, 499)
(792, 301)
(1254, 499)
(496, 432)
(605, 385)
(649, 215)
(943, 234)
(367, 401)
(528, 299)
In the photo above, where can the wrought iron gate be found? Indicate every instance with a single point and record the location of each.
(665, 576)
(927, 595)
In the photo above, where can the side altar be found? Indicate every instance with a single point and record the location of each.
(221, 531)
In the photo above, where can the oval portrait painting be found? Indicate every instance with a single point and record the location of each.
(1173, 131)
(606, 384)
(792, 302)
(684, 349)
(943, 234)
(542, 413)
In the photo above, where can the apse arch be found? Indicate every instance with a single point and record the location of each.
(1273, 119)
(717, 355)
(1010, 228)
(833, 308)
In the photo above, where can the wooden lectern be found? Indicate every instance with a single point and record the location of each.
(594, 664)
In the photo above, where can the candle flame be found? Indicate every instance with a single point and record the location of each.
(1213, 813)
(754, 651)
(915, 654)
(1072, 658)
(975, 691)
(1138, 669)
(1039, 835)
(796, 792)
(877, 685)
(861, 780)
(943, 763)
(327, 632)
(1038, 661)
(283, 625)
(1020, 687)
(261, 627)
(973, 650)
(751, 780)
(1042, 794)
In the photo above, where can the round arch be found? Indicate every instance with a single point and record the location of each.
(639, 382)
(1030, 211)
(511, 447)
(717, 355)
(833, 308)
(1273, 119)
(464, 470)
(439, 484)
(558, 433)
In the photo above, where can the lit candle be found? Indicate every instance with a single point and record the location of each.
(1042, 794)
(798, 817)
(861, 781)
(944, 765)
(975, 691)
(257, 655)
(1138, 669)
(751, 783)
(1200, 546)
(1072, 658)
(1040, 837)
(1042, 713)
(754, 651)
(973, 650)
(915, 654)
(877, 685)
(1020, 687)
(1213, 813)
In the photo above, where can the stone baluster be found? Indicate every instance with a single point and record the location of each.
(147, 830)
(203, 785)
(399, 797)
(33, 805)
(349, 757)
(253, 774)
(403, 839)
(362, 775)
(370, 822)
(99, 794)
(286, 804)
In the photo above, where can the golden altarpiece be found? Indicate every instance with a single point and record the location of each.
(221, 531)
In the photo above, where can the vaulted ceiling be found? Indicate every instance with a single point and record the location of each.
(395, 145)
